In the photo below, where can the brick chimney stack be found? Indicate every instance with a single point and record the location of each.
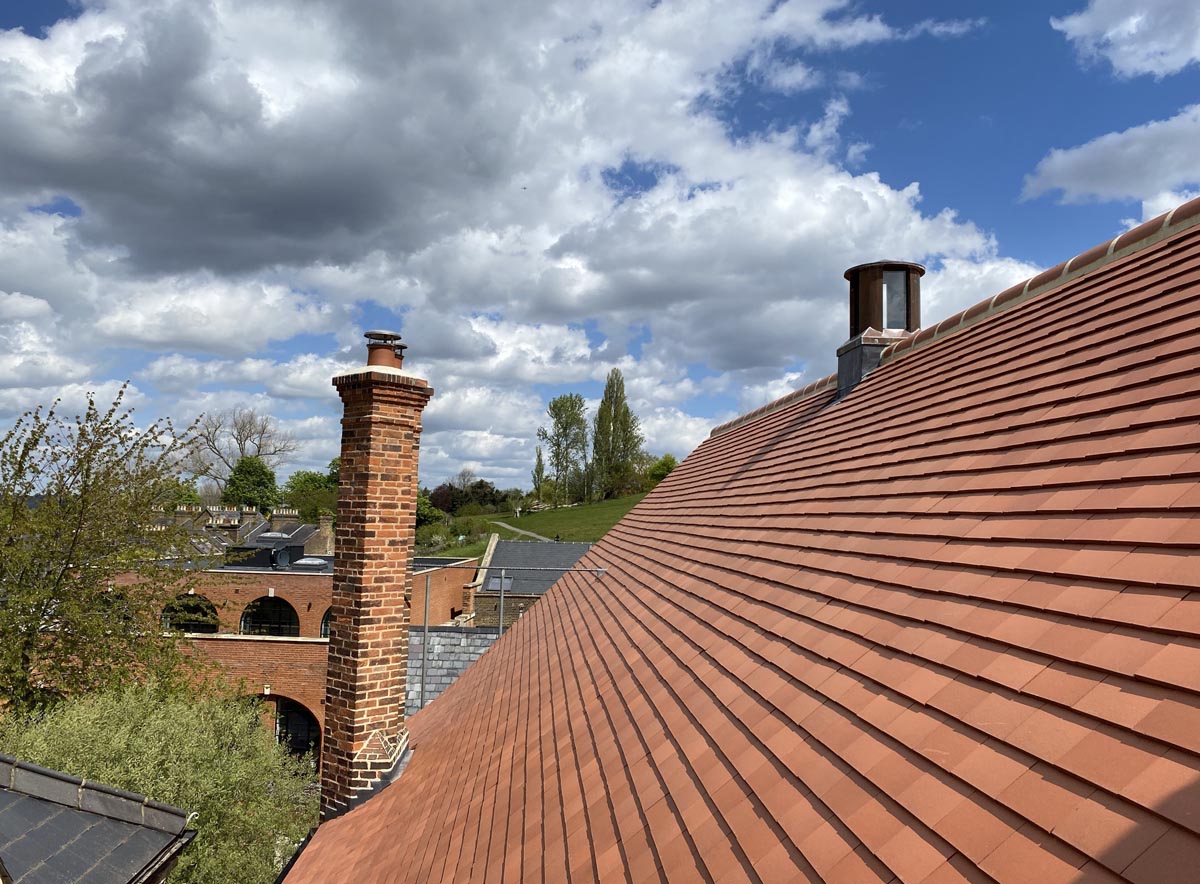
(365, 734)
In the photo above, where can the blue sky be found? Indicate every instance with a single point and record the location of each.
(212, 200)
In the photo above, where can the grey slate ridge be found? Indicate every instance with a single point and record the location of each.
(518, 554)
(451, 650)
(59, 828)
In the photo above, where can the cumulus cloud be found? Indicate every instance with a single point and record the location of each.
(254, 184)
(1155, 37)
(1142, 163)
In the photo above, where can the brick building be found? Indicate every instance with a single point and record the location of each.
(269, 628)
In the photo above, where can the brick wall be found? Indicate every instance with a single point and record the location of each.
(231, 591)
(487, 607)
(293, 667)
(368, 643)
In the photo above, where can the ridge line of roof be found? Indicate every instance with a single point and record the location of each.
(812, 389)
(1121, 246)
(57, 787)
(1133, 240)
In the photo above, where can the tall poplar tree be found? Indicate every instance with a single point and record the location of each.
(539, 474)
(566, 440)
(616, 439)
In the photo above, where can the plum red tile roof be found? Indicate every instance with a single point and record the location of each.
(946, 629)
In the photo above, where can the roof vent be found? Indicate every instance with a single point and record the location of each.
(885, 304)
(384, 349)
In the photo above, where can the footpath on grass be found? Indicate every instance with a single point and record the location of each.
(519, 530)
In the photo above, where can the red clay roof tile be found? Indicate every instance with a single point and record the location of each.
(970, 653)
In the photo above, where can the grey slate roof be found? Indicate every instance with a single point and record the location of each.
(451, 650)
(58, 828)
(513, 555)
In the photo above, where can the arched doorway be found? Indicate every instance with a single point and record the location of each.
(270, 616)
(296, 728)
(190, 613)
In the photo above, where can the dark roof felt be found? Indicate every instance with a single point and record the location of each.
(58, 828)
(947, 629)
(532, 566)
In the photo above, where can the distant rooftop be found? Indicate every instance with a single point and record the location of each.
(61, 829)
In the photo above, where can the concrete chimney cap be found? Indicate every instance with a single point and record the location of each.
(919, 269)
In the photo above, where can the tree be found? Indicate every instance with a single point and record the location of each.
(251, 483)
(539, 473)
(87, 563)
(444, 497)
(566, 439)
(312, 493)
(204, 752)
(616, 439)
(181, 492)
(427, 513)
(661, 469)
(225, 437)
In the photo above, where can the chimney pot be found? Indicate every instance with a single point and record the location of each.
(885, 305)
(885, 295)
(384, 348)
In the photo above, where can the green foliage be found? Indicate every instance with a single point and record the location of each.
(616, 440)
(87, 561)
(567, 441)
(251, 483)
(311, 493)
(180, 492)
(539, 474)
(427, 513)
(445, 535)
(661, 469)
(202, 752)
(466, 495)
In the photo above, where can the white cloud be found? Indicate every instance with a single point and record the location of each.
(256, 183)
(1156, 37)
(1140, 163)
(671, 431)
(959, 284)
(15, 305)
(1160, 203)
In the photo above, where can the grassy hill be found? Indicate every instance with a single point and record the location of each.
(586, 522)
(581, 522)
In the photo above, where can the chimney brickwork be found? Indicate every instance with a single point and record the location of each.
(365, 733)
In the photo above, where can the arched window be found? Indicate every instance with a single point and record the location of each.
(325, 623)
(296, 727)
(190, 613)
(270, 616)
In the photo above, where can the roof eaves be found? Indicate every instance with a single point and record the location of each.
(1134, 240)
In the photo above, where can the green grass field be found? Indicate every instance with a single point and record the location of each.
(586, 522)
